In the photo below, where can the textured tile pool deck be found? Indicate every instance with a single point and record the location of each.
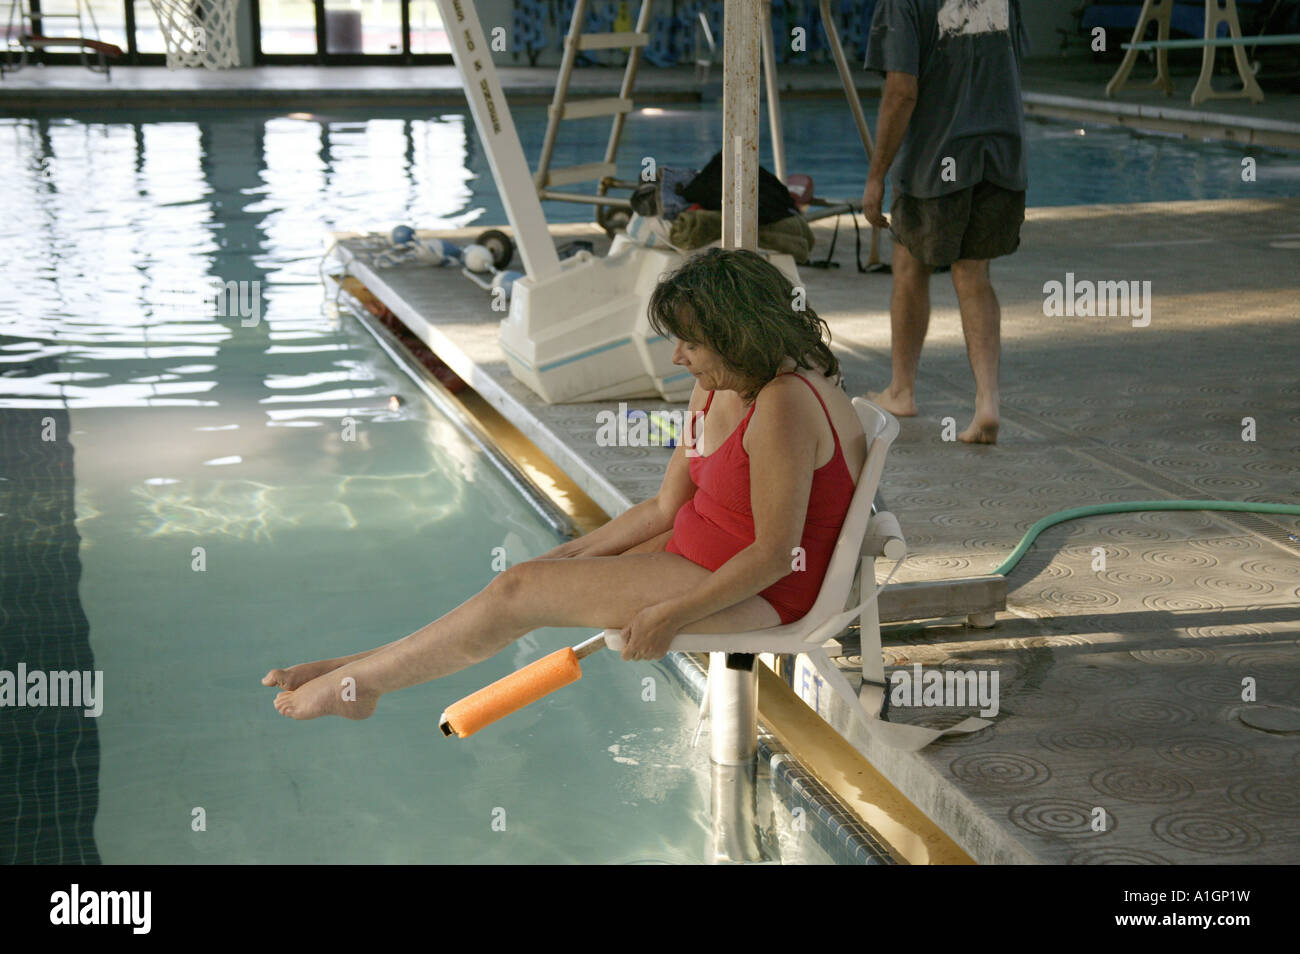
(1121, 684)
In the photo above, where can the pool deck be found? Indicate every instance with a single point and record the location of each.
(1062, 88)
(1121, 685)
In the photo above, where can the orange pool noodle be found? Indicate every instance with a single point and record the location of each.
(512, 693)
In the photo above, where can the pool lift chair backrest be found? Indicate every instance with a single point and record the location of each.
(863, 538)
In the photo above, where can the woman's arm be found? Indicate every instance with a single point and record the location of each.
(633, 526)
(782, 448)
(646, 520)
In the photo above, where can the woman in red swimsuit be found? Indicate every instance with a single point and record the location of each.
(737, 538)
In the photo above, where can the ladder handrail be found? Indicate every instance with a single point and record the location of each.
(557, 111)
(625, 90)
(561, 92)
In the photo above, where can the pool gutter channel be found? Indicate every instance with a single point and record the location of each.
(843, 835)
(445, 401)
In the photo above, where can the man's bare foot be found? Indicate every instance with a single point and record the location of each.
(899, 404)
(983, 430)
(330, 694)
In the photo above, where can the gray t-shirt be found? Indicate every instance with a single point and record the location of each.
(968, 124)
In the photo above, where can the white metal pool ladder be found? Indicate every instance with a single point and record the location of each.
(603, 172)
(562, 108)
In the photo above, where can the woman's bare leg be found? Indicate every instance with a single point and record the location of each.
(303, 673)
(653, 545)
(596, 592)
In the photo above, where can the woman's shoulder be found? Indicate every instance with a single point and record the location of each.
(788, 394)
(808, 401)
(813, 379)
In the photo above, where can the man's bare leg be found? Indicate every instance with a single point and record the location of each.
(909, 320)
(981, 321)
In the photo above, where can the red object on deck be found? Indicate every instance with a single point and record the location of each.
(801, 190)
(99, 46)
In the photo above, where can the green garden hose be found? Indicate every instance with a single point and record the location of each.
(1128, 507)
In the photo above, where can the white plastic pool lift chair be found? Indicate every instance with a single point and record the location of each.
(731, 696)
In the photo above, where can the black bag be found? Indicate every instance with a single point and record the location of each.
(774, 201)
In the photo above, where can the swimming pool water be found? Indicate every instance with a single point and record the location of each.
(1069, 163)
(191, 431)
(373, 169)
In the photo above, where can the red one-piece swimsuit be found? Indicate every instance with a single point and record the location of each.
(718, 522)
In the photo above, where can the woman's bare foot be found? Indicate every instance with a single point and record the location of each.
(330, 694)
(897, 403)
(303, 673)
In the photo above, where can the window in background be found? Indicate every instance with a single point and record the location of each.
(363, 26)
(287, 26)
(148, 33)
(427, 33)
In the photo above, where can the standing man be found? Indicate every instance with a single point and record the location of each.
(951, 114)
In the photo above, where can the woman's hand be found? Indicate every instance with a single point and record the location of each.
(572, 548)
(651, 632)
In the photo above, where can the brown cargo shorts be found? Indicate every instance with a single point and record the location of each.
(980, 222)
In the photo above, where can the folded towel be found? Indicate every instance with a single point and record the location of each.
(699, 227)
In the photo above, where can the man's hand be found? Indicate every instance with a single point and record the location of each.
(651, 632)
(897, 101)
(872, 198)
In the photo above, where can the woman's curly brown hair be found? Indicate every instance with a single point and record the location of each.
(742, 306)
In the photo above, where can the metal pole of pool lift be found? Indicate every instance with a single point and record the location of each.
(496, 130)
(733, 680)
(734, 720)
(733, 706)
